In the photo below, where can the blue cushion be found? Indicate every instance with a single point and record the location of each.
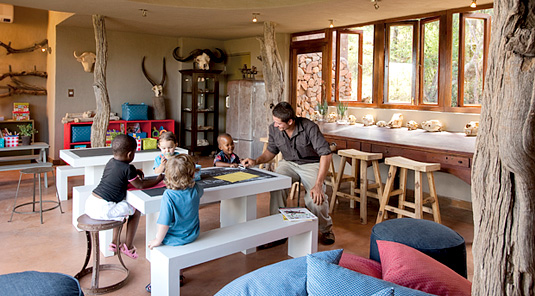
(283, 278)
(385, 292)
(39, 283)
(433, 239)
(325, 278)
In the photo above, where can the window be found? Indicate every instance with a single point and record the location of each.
(429, 58)
(353, 65)
(400, 62)
(471, 35)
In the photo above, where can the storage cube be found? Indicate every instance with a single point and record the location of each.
(12, 141)
(80, 133)
(21, 107)
(21, 115)
(149, 143)
(135, 111)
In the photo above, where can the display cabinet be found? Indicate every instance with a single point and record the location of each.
(200, 110)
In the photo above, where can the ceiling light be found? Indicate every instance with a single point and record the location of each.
(255, 14)
(331, 25)
(375, 4)
(473, 5)
(143, 12)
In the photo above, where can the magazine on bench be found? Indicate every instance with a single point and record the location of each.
(297, 214)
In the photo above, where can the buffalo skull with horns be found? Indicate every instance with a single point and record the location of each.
(156, 88)
(202, 57)
(87, 59)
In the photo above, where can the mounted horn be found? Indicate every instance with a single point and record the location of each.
(190, 57)
(222, 56)
(145, 72)
(157, 88)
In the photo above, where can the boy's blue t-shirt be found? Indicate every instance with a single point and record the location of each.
(158, 160)
(180, 211)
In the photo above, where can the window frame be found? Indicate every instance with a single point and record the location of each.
(360, 60)
(421, 68)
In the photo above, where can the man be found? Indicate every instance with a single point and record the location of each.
(306, 158)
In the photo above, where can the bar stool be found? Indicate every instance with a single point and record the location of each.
(363, 190)
(36, 171)
(406, 164)
(91, 228)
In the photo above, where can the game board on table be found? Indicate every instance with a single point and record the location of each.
(219, 176)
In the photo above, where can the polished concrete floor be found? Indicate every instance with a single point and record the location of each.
(56, 246)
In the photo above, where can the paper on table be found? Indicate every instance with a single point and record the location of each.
(235, 177)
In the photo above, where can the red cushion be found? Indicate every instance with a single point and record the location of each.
(411, 268)
(362, 265)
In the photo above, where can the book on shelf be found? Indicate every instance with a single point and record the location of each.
(297, 214)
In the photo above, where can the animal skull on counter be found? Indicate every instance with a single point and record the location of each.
(432, 125)
(332, 117)
(352, 119)
(412, 125)
(368, 120)
(396, 121)
(471, 128)
(381, 123)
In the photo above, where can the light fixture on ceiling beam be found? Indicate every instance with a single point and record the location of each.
(375, 4)
(331, 23)
(143, 12)
(255, 19)
(473, 4)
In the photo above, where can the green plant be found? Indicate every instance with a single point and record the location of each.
(323, 107)
(342, 108)
(27, 130)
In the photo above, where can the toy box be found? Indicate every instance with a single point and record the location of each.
(140, 135)
(21, 107)
(12, 141)
(135, 111)
(21, 115)
(149, 143)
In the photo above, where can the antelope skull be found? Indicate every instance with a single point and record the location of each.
(87, 59)
(156, 88)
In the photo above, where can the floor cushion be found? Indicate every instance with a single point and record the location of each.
(39, 283)
(360, 264)
(428, 237)
(283, 278)
(411, 268)
(325, 278)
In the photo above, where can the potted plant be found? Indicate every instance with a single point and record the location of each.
(342, 116)
(322, 109)
(26, 133)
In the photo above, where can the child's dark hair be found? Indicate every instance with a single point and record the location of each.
(224, 135)
(180, 172)
(167, 136)
(123, 144)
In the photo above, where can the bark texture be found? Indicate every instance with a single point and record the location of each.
(503, 176)
(272, 68)
(102, 114)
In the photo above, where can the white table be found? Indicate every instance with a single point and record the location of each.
(238, 202)
(94, 160)
(40, 159)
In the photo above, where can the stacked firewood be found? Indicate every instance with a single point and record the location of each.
(87, 116)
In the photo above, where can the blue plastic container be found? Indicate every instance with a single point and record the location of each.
(80, 133)
(135, 111)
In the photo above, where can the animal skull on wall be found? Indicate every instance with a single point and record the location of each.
(157, 88)
(87, 59)
(201, 57)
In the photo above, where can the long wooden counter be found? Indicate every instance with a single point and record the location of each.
(454, 151)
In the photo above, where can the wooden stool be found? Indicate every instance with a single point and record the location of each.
(418, 168)
(92, 227)
(36, 171)
(274, 162)
(364, 189)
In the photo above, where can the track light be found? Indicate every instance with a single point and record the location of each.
(474, 4)
(375, 4)
(255, 14)
(331, 25)
(143, 12)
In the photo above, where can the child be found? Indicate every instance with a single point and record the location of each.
(167, 144)
(227, 157)
(178, 222)
(107, 202)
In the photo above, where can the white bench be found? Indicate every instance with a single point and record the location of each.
(62, 175)
(167, 261)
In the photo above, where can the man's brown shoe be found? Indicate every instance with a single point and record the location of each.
(327, 238)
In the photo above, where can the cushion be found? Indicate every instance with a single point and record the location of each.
(411, 268)
(361, 264)
(385, 292)
(39, 283)
(283, 278)
(428, 237)
(325, 278)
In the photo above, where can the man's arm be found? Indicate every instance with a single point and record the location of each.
(317, 191)
(265, 157)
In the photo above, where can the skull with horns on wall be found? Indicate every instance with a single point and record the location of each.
(201, 57)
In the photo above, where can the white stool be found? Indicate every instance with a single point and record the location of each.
(62, 175)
